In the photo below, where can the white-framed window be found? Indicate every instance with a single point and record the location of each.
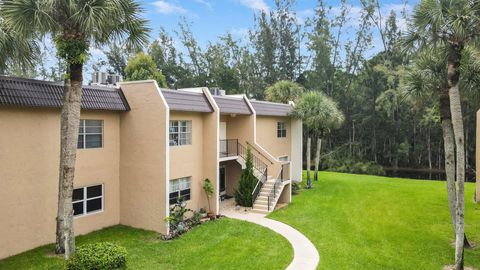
(283, 158)
(180, 132)
(281, 130)
(87, 200)
(90, 134)
(180, 188)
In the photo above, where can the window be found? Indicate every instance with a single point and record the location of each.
(87, 200)
(281, 130)
(179, 188)
(180, 133)
(90, 134)
(283, 158)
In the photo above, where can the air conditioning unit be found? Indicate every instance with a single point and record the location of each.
(103, 78)
(217, 91)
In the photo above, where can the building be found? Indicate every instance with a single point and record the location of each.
(140, 148)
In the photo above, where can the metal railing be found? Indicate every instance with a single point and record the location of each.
(228, 148)
(257, 162)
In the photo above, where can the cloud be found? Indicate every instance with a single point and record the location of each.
(165, 7)
(205, 3)
(256, 5)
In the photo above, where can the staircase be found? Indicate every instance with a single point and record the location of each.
(268, 196)
(268, 189)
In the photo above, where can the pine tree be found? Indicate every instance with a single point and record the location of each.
(248, 181)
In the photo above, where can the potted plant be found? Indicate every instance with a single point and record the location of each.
(203, 212)
(208, 188)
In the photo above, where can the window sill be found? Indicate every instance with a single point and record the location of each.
(88, 214)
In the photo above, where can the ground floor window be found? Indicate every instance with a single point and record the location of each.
(87, 200)
(179, 188)
(283, 158)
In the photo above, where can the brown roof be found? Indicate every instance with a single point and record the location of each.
(270, 108)
(179, 100)
(232, 105)
(36, 93)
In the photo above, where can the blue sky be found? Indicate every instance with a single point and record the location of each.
(212, 18)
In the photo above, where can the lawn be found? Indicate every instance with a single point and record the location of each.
(223, 244)
(370, 222)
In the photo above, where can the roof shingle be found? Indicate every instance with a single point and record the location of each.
(270, 108)
(179, 100)
(35, 93)
(232, 105)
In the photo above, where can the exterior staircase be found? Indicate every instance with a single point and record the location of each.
(268, 196)
(268, 189)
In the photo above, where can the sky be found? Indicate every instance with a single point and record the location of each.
(212, 18)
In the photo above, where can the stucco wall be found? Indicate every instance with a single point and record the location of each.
(30, 143)
(267, 135)
(144, 147)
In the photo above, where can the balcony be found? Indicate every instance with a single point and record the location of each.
(228, 148)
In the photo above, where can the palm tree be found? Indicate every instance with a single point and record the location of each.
(74, 25)
(453, 24)
(319, 114)
(284, 91)
(15, 50)
(427, 79)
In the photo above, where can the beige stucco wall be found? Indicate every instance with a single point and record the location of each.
(233, 171)
(477, 193)
(187, 160)
(267, 135)
(30, 143)
(144, 147)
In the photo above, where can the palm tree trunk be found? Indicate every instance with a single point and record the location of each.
(309, 149)
(70, 121)
(317, 153)
(454, 57)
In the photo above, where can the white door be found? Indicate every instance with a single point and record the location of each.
(223, 130)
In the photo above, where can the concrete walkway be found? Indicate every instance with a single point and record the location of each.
(305, 255)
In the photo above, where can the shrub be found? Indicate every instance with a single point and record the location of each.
(295, 188)
(98, 256)
(248, 181)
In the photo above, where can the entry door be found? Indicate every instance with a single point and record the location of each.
(222, 180)
(223, 130)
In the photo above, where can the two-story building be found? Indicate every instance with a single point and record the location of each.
(140, 148)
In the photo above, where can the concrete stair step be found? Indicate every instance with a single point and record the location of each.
(259, 211)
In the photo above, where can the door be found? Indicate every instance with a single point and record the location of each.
(223, 130)
(223, 179)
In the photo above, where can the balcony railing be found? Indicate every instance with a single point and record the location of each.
(228, 148)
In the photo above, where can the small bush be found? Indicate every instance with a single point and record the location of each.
(248, 181)
(295, 188)
(98, 256)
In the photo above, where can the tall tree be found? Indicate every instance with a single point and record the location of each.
(454, 24)
(319, 114)
(284, 91)
(142, 67)
(74, 25)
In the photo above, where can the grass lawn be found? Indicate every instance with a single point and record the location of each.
(223, 244)
(370, 222)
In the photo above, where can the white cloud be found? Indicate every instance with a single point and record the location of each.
(165, 7)
(205, 3)
(257, 5)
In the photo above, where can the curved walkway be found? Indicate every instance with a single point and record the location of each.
(305, 255)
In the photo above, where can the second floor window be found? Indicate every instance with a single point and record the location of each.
(180, 133)
(90, 134)
(281, 130)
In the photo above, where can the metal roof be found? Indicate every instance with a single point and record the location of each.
(270, 108)
(36, 93)
(179, 100)
(232, 105)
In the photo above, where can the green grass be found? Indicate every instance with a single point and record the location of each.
(223, 244)
(370, 222)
